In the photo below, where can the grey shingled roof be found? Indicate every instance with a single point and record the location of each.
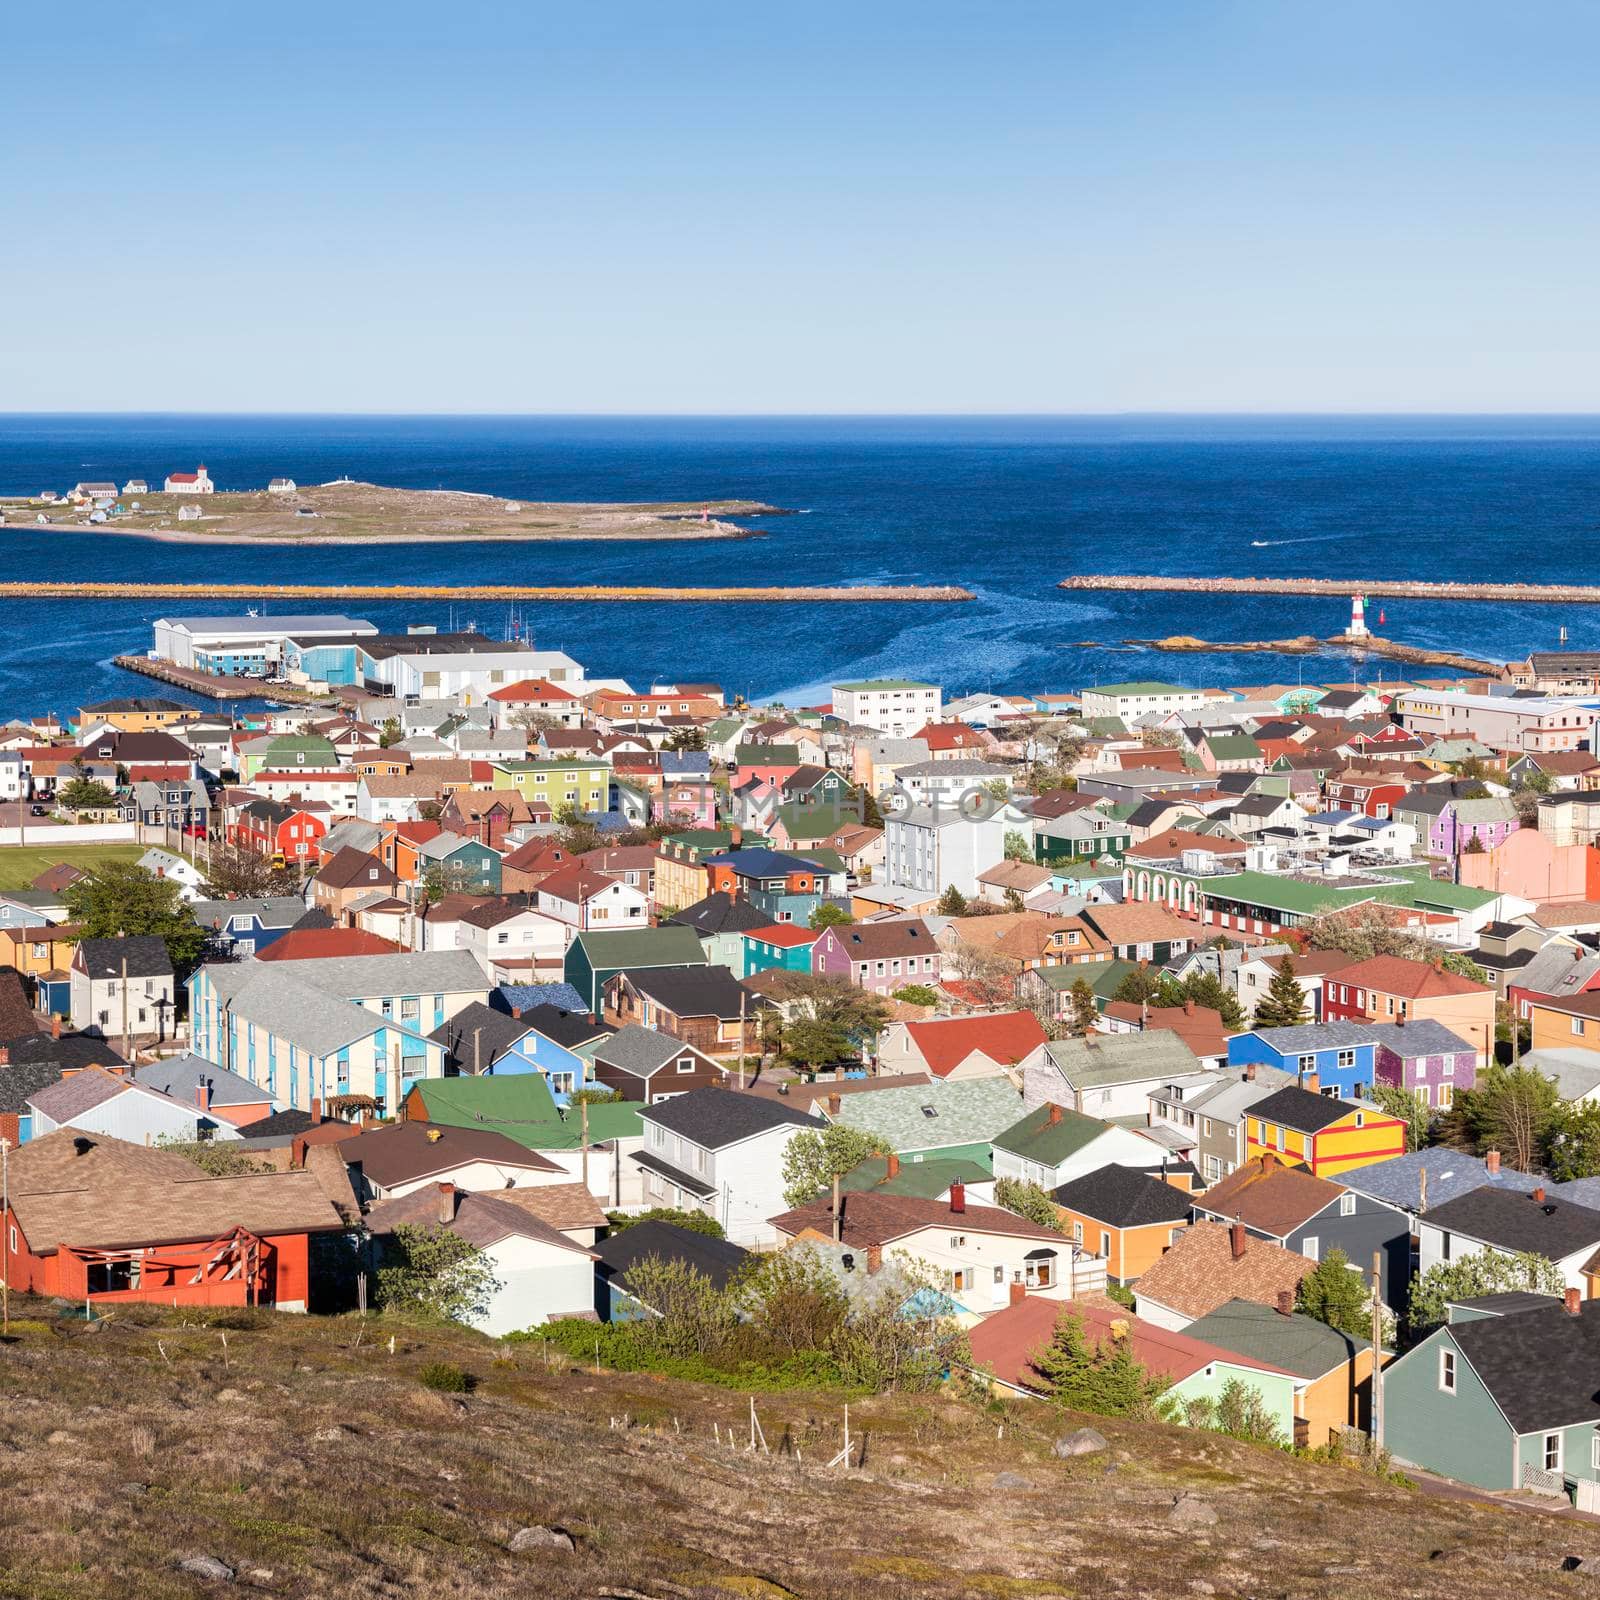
(936, 1115)
(1296, 1343)
(639, 1051)
(1451, 1174)
(1113, 1058)
(718, 1117)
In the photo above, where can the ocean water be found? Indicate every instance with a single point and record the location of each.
(1005, 506)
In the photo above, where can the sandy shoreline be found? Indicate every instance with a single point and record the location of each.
(712, 531)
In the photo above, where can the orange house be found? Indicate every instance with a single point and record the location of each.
(1393, 989)
(1128, 1218)
(91, 1217)
(1328, 1136)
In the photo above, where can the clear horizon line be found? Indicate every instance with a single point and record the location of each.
(885, 415)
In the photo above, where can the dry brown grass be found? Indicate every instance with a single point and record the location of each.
(315, 1465)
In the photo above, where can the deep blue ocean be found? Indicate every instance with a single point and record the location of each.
(1005, 506)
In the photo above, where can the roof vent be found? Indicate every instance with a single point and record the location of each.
(930, 1111)
(82, 1146)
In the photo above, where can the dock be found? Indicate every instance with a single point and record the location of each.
(1373, 588)
(846, 594)
(218, 687)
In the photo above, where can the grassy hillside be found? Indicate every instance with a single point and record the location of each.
(20, 864)
(310, 1460)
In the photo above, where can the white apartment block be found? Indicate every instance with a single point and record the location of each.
(897, 707)
(1142, 699)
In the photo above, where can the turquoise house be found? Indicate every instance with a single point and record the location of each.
(1503, 1396)
(784, 947)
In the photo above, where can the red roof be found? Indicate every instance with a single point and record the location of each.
(788, 934)
(183, 477)
(532, 689)
(1003, 1342)
(1416, 980)
(950, 736)
(316, 944)
(1006, 1038)
(158, 773)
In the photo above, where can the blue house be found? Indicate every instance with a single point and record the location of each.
(246, 927)
(1342, 1056)
(482, 1041)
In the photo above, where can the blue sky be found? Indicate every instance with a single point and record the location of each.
(1020, 205)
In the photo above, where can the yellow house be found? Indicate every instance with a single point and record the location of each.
(1570, 1024)
(136, 714)
(584, 784)
(1328, 1136)
(34, 952)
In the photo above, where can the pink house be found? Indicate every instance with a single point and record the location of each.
(1527, 864)
(880, 956)
(691, 798)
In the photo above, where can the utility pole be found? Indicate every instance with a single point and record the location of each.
(127, 1049)
(583, 1108)
(1377, 1350)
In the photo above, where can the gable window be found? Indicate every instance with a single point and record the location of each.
(1551, 1453)
(1311, 1248)
(1308, 1063)
(685, 1063)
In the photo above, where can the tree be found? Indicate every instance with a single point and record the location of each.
(1335, 1295)
(446, 877)
(531, 720)
(1473, 771)
(917, 994)
(830, 1019)
(390, 733)
(1460, 963)
(794, 1300)
(1207, 989)
(1018, 846)
(989, 978)
(682, 739)
(952, 903)
(1105, 1378)
(871, 811)
(1160, 739)
(86, 794)
(814, 1157)
(694, 1221)
(691, 1315)
(1085, 1012)
(118, 897)
(219, 1158)
(1573, 1142)
(997, 789)
(1511, 1110)
(1482, 1272)
(435, 1273)
(1364, 931)
(243, 874)
(1410, 1107)
(1028, 1200)
(1142, 986)
(1284, 1003)
(1240, 1411)
(1531, 788)
(828, 915)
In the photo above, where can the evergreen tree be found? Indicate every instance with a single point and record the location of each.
(1122, 1387)
(1284, 1004)
(1334, 1294)
(952, 903)
(1085, 1013)
(1207, 989)
(1066, 1364)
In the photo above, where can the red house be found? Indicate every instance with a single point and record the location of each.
(1374, 794)
(275, 828)
(92, 1217)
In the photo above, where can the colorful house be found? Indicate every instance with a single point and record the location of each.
(880, 956)
(1392, 989)
(1130, 1219)
(594, 958)
(584, 784)
(1330, 1136)
(1340, 1057)
(788, 888)
(782, 945)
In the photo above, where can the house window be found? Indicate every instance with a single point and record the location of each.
(408, 1009)
(1077, 1233)
(1105, 1244)
(1347, 1205)
(685, 1063)
(1311, 1248)
(1577, 1026)
(1552, 1452)
(958, 1241)
(1347, 1058)
(1308, 1063)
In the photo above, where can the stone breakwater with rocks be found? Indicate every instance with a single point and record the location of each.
(845, 593)
(1377, 588)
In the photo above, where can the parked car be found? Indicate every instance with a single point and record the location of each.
(40, 811)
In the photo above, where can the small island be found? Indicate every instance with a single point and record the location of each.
(348, 512)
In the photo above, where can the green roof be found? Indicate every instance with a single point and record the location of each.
(1037, 1138)
(920, 1180)
(1297, 1343)
(671, 945)
(716, 840)
(1108, 727)
(1291, 894)
(885, 683)
(520, 1106)
(767, 755)
(808, 822)
(1103, 977)
(1233, 747)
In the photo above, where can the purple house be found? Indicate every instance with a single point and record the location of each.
(1449, 824)
(880, 956)
(1426, 1058)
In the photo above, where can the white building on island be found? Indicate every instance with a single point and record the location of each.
(196, 482)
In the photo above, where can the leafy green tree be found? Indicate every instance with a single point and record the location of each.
(1142, 986)
(1028, 1200)
(1335, 1295)
(682, 739)
(1573, 1142)
(434, 1272)
(694, 1221)
(830, 1019)
(1284, 1004)
(1018, 846)
(794, 1301)
(86, 794)
(118, 897)
(1240, 1411)
(952, 903)
(1460, 963)
(828, 915)
(390, 733)
(1482, 1272)
(1207, 989)
(1410, 1107)
(1085, 1012)
(691, 1316)
(814, 1157)
(218, 1158)
(917, 994)
(1531, 788)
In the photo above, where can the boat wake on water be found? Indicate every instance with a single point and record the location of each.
(1314, 538)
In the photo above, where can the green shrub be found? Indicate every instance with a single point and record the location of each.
(695, 1221)
(445, 1377)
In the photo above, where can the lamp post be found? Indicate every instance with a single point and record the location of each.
(5, 1219)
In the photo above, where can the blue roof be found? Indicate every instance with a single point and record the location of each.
(1371, 824)
(1451, 1174)
(513, 997)
(1332, 819)
(685, 764)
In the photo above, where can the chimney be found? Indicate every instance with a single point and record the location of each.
(1269, 1159)
(1188, 1006)
(958, 1198)
(735, 837)
(1250, 1072)
(55, 1026)
(1574, 1302)
(1055, 1113)
(316, 1110)
(202, 1094)
(5, 1055)
(297, 1152)
(891, 1165)
(874, 1259)
(1400, 1021)
(1538, 1195)
(1285, 1302)
(1312, 1082)
(516, 1012)
(447, 1202)
(1019, 1293)
(835, 1104)
(1236, 1238)
(1491, 1163)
